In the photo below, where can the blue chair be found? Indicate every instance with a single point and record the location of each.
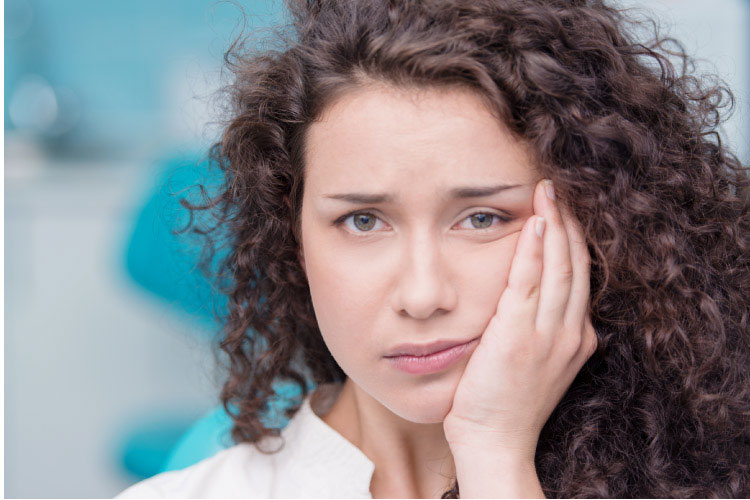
(165, 265)
(211, 433)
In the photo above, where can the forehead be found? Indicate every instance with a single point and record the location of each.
(386, 136)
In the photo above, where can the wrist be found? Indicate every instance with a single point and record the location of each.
(515, 451)
(485, 460)
(484, 473)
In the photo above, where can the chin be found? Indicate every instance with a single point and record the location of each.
(428, 404)
(430, 415)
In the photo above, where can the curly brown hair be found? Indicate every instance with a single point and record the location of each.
(630, 141)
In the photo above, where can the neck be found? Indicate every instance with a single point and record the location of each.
(411, 460)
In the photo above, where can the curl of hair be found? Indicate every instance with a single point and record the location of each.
(662, 409)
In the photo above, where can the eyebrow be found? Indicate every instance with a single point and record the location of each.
(453, 194)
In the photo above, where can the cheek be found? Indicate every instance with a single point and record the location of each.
(339, 280)
(483, 273)
(343, 288)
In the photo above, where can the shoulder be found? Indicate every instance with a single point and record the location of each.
(238, 471)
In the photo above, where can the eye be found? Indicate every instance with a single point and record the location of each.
(363, 221)
(483, 220)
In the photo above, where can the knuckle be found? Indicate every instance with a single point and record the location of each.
(525, 290)
(586, 258)
(530, 292)
(593, 345)
(565, 271)
(571, 344)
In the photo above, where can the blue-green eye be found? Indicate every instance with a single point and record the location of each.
(481, 220)
(363, 222)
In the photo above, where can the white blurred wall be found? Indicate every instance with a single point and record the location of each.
(718, 33)
(87, 353)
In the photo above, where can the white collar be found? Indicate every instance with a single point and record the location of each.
(316, 451)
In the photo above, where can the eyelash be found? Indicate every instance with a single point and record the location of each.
(343, 218)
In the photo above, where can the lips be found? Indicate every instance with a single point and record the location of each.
(424, 349)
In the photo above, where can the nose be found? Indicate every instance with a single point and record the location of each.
(423, 285)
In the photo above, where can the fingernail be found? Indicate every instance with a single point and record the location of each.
(549, 189)
(539, 226)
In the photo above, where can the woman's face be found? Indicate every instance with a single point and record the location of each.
(424, 259)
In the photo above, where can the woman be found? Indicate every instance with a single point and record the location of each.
(520, 185)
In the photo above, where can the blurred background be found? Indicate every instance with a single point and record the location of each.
(108, 110)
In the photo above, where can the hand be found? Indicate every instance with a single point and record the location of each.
(534, 345)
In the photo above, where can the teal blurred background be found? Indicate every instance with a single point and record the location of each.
(109, 109)
(108, 328)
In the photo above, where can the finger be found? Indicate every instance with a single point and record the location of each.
(577, 308)
(557, 274)
(519, 301)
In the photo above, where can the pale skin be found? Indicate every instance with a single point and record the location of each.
(424, 267)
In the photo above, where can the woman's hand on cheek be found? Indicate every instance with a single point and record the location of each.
(533, 347)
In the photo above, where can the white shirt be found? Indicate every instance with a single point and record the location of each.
(315, 462)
